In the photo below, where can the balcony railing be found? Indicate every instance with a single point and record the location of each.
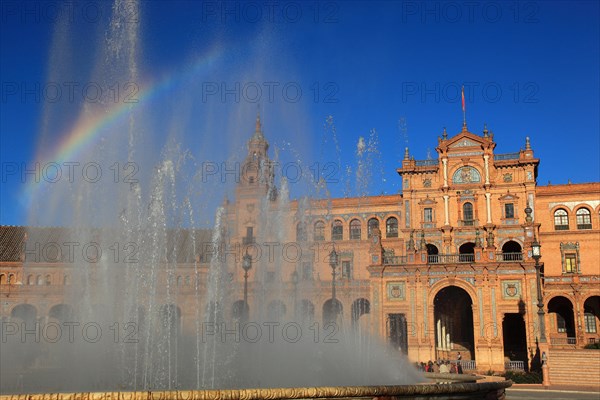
(450, 258)
(426, 163)
(584, 226)
(394, 260)
(514, 366)
(561, 227)
(468, 222)
(337, 236)
(506, 156)
(467, 365)
(248, 240)
(563, 341)
(507, 257)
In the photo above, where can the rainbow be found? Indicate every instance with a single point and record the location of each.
(86, 130)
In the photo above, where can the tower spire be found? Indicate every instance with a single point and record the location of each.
(258, 125)
(258, 134)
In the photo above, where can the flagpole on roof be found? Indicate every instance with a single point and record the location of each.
(463, 108)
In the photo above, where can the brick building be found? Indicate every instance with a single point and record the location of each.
(445, 267)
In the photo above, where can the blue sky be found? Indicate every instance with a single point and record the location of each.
(530, 69)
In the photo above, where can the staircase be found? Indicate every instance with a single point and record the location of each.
(574, 367)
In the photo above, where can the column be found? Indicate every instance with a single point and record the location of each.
(445, 162)
(488, 206)
(486, 158)
(444, 346)
(439, 333)
(446, 214)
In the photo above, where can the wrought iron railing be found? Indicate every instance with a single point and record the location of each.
(514, 366)
(248, 240)
(450, 258)
(509, 256)
(468, 222)
(563, 341)
(506, 156)
(584, 226)
(467, 365)
(426, 163)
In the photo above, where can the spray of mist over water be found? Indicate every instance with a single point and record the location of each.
(141, 264)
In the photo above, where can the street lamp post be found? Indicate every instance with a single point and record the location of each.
(536, 254)
(246, 266)
(295, 283)
(333, 262)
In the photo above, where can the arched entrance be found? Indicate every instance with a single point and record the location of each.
(25, 312)
(332, 311)
(396, 328)
(514, 337)
(591, 316)
(22, 352)
(562, 328)
(240, 311)
(214, 313)
(454, 324)
(307, 311)
(360, 307)
(276, 310)
(61, 312)
(170, 319)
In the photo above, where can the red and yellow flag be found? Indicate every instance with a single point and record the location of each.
(463, 98)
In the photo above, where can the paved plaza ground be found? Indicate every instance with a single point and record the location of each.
(522, 392)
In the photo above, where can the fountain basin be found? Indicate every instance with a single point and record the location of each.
(457, 390)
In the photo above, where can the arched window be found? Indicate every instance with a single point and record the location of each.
(468, 214)
(48, 280)
(179, 281)
(391, 227)
(355, 229)
(11, 279)
(561, 220)
(371, 225)
(2, 279)
(319, 234)
(337, 230)
(66, 280)
(30, 280)
(584, 219)
(39, 280)
(301, 232)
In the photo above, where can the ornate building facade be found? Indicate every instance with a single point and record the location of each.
(445, 267)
